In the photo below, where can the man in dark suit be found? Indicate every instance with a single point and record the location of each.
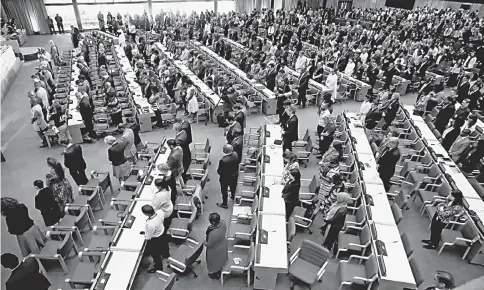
(25, 275)
(445, 114)
(303, 86)
(238, 144)
(290, 129)
(228, 169)
(175, 160)
(423, 67)
(239, 116)
(387, 161)
(74, 161)
(463, 89)
(233, 127)
(86, 111)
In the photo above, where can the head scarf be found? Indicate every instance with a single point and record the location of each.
(341, 202)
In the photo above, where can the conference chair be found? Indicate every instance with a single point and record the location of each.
(465, 236)
(304, 153)
(308, 192)
(432, 192)
(248, 173)
(160, 281)
(355, 193)
(357, 218)
(134, 178)
(92, 197)
(245, 256)
(245, 212)
(58, 247)
(301, 220)
(88, 267)
(354, 243)
(416, 271)
(407, 245)
(290, 231)
(75, 220)
(241, 230)
(197, 169)
(169, 117)
(308, 263)
(102, 238)
(180, 228)
(397, 213)
(302, 140)
(102, 179)
(201, 151)
(117, 213)
(185, 256)
(193, 183)
(362, 274)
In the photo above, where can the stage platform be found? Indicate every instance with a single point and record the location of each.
(9, 68)
(29, 53)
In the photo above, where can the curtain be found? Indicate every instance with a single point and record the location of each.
(244, 6)
(28, 14)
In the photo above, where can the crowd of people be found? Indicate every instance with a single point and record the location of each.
(377, 44)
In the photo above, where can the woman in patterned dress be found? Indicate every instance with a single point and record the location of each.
(290, 159)
(60, 185)
(335, 152)
(331, 194)
(326, 182)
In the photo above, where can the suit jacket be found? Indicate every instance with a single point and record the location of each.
(230, 133)
(304, 82)
(175, 161)
(240, 118)
(238, 144)
(27, 276)
(388, 161)
(290, 192)
(187, 127)
(462, 91)
(291, 128)
(182, 137)
(128, 137)
(228, 166)
(73, 157)
(116, 153)
(459, 147)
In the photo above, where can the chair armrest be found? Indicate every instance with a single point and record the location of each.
(432, 186)
(353, 228)
(294, 256)
(304, 219)
(465, 240)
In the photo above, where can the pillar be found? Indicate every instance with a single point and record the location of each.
(4, 14)
(150, 8)
(258, 5)
(215, 6)
(78, 15)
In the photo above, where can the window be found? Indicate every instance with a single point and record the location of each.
(89, 13)
(225, 6)
(57, 2)
(183, 7)
(65, 11)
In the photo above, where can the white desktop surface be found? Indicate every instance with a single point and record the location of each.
(396, 262)
(276, 161)
(362, 145)
(274, 204)
(381, 212)
(274, 253)
(129, 240)
(122, 266)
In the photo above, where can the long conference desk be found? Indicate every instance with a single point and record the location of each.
(319, 87)
(119, 268)
(396, 273)
(215, 102)
(269, 100)
(271, 252)
(472, 199)
(75, 122)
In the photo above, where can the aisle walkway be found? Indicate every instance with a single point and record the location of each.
(26, 162)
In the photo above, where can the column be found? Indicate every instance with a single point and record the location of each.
(258, 5)
(215, 6)
(150, 9)
(278, 4)
(78, 15)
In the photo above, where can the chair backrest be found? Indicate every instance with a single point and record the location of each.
(255, 204)
(253, 222)
(434, 171)
(406, 245)
(313, 186)
(251, 255)
(417, 273)
(444, 189)
(313, 253)
(66, 246)
(397, 213)
(306, 135)
(469, 231)
(204, 179)
(360, 214)
(371, 267)
(365, 235)
(291, 229)
(401, 199)
(82, 219)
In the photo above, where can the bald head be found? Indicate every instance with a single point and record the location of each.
(228, 149)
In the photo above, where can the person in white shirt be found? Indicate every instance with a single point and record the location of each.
(122, 38)
(301, 62)
(332, 84)
(364, 109)
(156, 242)
(350, 67)
(41, 93)
(185, 54)
(364, 56)
(162, 200)
(38, 120)
(470, 61)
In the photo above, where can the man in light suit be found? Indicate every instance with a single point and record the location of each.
(182, 141)
(460, 146)
(74, 161)
(332, 84)
(130, 149)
